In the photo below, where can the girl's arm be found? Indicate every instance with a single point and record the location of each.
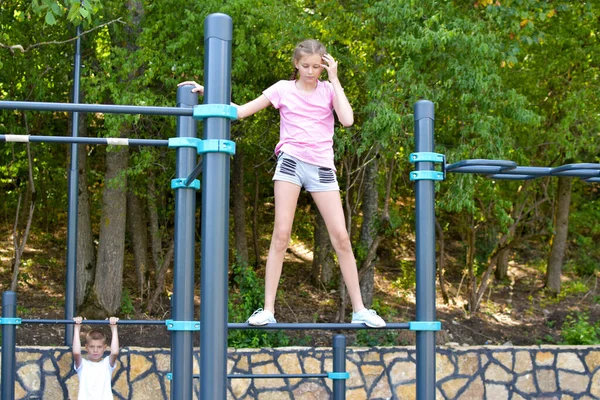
(244, 110)
(252, 107)
(341, 105)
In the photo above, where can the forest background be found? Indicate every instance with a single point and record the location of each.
(518, 261)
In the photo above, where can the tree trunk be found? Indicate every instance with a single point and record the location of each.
(323, 265)
(441, 261)
(86, 250)
(502, 267)
(255, 233)
(368, 233)
(138, 235)
(19, 241)
(108, 281)
(561, 229)
(239, 206)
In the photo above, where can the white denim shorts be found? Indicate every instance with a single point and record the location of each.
(309, 176)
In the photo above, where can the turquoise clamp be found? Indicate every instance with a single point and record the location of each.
(10, 321)
(169, 376)
(428, 175)
(338, 375)
(179, 183)
(202, 111)
(216, 146)
(204, 146)
(182, 325)
(425, 325)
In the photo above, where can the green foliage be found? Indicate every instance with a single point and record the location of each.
(77, 11)
(127, 306)
(577, 330)
(248, 296)
(407, 279)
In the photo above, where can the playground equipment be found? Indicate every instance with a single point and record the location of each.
(216, 148)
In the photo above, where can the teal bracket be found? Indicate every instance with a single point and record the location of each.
(428, 175)
(10, 321)
(204, 146)
(184, 142)
(169, 376)
(182, 325)
(202, 111)
(179, 183)
(425, 325)
(427, 157)
(338, 375)
(216, 146)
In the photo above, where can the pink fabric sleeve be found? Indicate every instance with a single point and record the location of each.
(273, 94)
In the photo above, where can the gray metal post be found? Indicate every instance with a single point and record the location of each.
(183, 281)
(71, 278)
(339, 366)
(9, 360)
(218, 31)
(425, 245)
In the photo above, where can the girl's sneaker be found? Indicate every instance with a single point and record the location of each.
(262, 317)
(368, 317)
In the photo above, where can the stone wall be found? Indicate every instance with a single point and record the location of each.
(492, 373)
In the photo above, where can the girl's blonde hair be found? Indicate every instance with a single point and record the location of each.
(304, 48)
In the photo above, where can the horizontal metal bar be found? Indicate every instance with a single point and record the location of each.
(512, 177)
(316, 326)
(502, 164)
(83, 140)
(238, 326)
(579, 166)
(91, 322)
(97, 108)
(273, 376)
(579, 173)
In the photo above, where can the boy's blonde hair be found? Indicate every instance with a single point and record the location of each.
(95, 334)
(304, 48)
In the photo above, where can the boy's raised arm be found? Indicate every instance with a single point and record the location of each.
(77, 341)
(114, 343)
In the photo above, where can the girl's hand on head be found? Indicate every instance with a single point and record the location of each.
(331, 66)
(198, 88)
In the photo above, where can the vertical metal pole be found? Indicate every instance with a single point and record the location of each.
(425, 244)
(71, 278)
(182, 302)
(218, 31)
(339, 365)
(9, 359)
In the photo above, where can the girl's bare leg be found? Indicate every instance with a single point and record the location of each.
(330, 206)
(286, 199)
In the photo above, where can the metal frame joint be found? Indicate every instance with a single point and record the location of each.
(425, 325)
(182, 325)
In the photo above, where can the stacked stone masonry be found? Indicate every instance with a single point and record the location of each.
(492, 373)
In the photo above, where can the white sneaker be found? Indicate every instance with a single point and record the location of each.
(368, 317)
(262, 317)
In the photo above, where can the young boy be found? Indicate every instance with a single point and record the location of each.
(95, 373)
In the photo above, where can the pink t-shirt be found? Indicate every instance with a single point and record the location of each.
(306, 126)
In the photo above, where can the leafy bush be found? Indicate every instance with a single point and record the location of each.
(579, 331)
(242, 302)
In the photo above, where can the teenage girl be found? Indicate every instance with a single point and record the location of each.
(305, 159)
